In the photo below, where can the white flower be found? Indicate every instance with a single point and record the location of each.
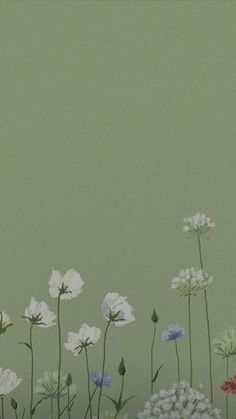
(116, 308)
(86, 336)
(38, 314)
(5, 322)
(198, 223)
(46, 386)
(179, 402)
(8, 381)
(68, 286)
(191, 280)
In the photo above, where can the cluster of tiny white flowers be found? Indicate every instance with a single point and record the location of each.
(179, 402)
(197, 222)
(191, 280)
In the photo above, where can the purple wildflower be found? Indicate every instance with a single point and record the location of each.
(173, 332)
(96, 378)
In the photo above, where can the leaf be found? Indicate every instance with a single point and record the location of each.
(117, 404)
(156, 374)
(26, 344)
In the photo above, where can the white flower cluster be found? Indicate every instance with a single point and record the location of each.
(191, 280)
(197, 223)
(179, 402)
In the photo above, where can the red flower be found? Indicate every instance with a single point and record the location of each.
(229, 385)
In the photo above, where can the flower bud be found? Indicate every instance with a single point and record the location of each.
(14, 404)
(154, 317)
(68, 380)
(121, 368)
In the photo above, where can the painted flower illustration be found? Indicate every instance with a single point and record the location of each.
(116, 309)
(197, 223)
(191, 281)
(96, 379)
(68, 286)
(8, 381)
(229, 385)
(46, 386)
(181, 401)
(225, 345)
(86, 337)
(5, 322)
(38, 314)
(173, 332)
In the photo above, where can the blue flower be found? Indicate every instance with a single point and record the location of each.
(96, 378)
(173, 332)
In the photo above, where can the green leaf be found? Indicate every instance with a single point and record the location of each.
(156, 374)
(26, 344)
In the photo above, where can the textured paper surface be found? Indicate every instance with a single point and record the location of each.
(117, 120)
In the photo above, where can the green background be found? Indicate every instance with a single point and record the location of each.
(118, 119)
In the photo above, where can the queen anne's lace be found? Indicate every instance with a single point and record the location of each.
(198, 223)
(225, 345)
(191, 280)
(179, 402)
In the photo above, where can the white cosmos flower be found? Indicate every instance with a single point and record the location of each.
(86, 337)
(8, 381)
(5, 322)
(68, 286)
(46, 386)
(198, 223)
(116, 308)
(38, 314)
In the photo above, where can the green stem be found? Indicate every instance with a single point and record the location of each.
(59, 357)
(103, 368)
(89, 391)
(227, 396)
(121, 394)
(23, 414)
(51, 407)
(152, 350)
(207, 321)
(178, 361)
(68, 401)
(87, 410)
(190, 340)
(16, 414)
(2, 403)
(32, 372)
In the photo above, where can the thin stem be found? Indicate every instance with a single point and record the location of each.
(227, 396)
(51, 407)
(207, 321)
(87, 410)
(2, 403)
(32, 372)
(103, 369)
(152, 349)
(89, 391)
(178, 361)
(16, 414)
(23, 414)
(121, 394)
(190, 340)
(59, 357)
(68, 401)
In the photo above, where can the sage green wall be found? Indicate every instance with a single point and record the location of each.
(118, 118)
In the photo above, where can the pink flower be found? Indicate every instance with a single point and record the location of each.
(229, 385)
